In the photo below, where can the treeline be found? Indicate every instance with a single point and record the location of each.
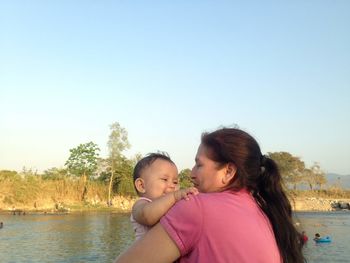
(85, 176)
(295, 173)
(32, 191)
(89, 171)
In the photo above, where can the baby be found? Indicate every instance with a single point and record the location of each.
(156, 182)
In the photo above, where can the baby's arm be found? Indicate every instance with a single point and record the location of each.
(149, 213)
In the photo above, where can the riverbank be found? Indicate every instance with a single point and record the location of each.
(320, 204)
(119, 204)
(32, 193)
(124, 204)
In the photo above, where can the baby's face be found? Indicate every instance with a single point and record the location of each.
(160, 178)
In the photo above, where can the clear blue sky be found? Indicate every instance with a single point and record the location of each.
(169, 70)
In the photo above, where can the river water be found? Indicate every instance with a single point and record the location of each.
(333, 224)
(100, 237)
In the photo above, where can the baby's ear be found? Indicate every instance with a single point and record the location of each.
(140, 185)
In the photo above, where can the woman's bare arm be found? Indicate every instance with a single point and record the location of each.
(155, 247)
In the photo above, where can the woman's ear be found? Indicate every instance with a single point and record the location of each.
(140, 185)
(231, 170)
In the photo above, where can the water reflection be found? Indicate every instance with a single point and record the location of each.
(100, 237)
(86, 237)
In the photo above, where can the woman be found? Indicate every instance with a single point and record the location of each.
(241, 215)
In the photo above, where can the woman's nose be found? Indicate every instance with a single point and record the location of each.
(192, 175)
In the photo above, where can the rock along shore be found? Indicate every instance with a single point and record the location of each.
(320, 204)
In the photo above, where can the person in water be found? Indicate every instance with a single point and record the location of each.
(317, 237)
(303, 238)
(156, 182)
(241, 214)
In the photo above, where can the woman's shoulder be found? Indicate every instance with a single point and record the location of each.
(227, 194)
(204, 199)
(185, 211)
(193, 203)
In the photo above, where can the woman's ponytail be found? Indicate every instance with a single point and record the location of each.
(272, 199)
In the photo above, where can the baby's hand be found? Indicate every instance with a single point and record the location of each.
(184, 193)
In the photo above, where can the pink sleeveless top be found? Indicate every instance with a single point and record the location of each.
(138, 228)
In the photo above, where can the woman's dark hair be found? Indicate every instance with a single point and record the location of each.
(259, 174)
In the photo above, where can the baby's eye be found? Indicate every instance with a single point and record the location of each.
(176, 182)
(164, 179)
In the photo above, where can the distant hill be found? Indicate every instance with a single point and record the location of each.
(338, 179)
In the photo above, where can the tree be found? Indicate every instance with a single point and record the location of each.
(117, 143)
(309, 178)
(290, 167)
(8, 175)
(82, 162)
(185, 178)
(28, 171)
(137, 157)
(54, 174)
(314, 177)
(320, 177)
(124, 183)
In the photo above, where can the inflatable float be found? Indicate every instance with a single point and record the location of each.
(326, 239)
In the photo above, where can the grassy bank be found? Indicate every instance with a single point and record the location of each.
(32, 193)
(35, 194)
(330, 193)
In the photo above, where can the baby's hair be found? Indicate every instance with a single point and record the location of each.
(147, 161)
